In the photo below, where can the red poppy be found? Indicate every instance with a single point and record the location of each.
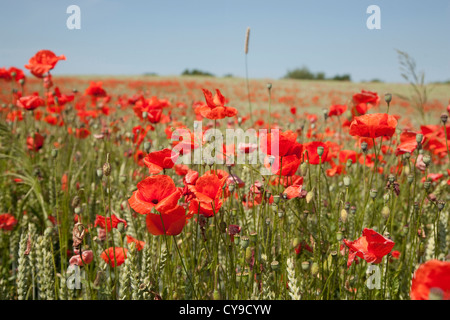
(7, 221)
(95, 89)
(157, 192)
(207, 191)
(30, 102)
(373, 125)
(345, 155)
(215, 107)
(36, 142)
(119, 253)
(371, 247)
(159, 160)
(288, 165)
(294, 191)
(111, 222)
(173, 222)
(337, 110)
(433, 274)
(42, 62)
(408, 143)
(285, 141)
(312, 154)
(366, 97)
(139, 244)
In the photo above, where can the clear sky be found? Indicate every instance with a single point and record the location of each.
(168, 36)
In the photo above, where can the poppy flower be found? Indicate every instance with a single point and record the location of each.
(173, 222)
(7, 221)
(215, 107)
(337, 110)
(139, 244)
(113, 255)
(159, 160)
(312, 156)
(157, 192)
(407, 143)
(30, 102)
(373, 125)
(36, 142)
(285, 141)
(371, 247)
(294, 191)
(42, 62)
(112, 222)
(366, 97)
(433, 275)
(207, 191)
(95, 89)
(284, 166)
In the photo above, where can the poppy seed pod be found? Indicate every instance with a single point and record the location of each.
(54, 153)
(320, 150)
(373, 193)
(364, 146)
(315, 268)
(388, 98)
(276, 199)
(253, 237)
(339, 236)
(419, 138)
(305, 265)
(426, 159)
(410, 178)
(344, 215)
(441, 205)
(346, 181)
(22, 82)
(244, 242)
(147, 146)
(99, 172)
(385, 212)
(444, 118)
(269, 86)
(349, 163)
(427, 185)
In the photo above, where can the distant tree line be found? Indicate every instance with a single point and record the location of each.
(196, 72)
(305, 74)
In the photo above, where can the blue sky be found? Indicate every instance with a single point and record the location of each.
(166, 37)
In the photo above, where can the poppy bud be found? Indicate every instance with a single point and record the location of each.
(410, 178)
(339, 236)
(419, 138)
(349, 163)
(305, 265)
(276, 199)
(427, 185)
(346, 181)
(385, 212)
(426, 159)
(441, 205)
(320, 150)
(239, 120)
(388, 98)
(268, 195)
(145, 114)
(54, 153)
(444, 118)
(373, 193)
(106, 169)
(325, 113)
(99, 173)
(303, 168)
(280, 214)
(295, 242)
(77, 210)
(314, 268)
(269, 86)
(386, 197)
(344, 215)
(22, 82)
